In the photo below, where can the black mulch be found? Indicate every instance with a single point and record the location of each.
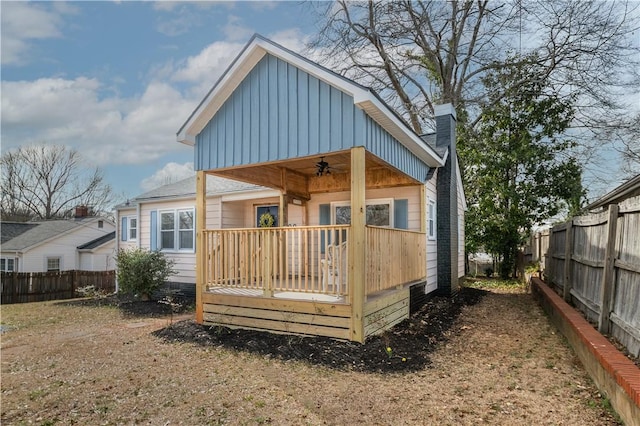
(411, 341)
(133, 307)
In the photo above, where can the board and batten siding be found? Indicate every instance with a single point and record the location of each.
(280, 112)
(379, 142)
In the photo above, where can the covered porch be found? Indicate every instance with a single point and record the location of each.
(345, 281)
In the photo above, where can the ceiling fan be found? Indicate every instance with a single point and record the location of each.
(322, 168)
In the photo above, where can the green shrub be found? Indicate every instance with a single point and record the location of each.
(142, 271)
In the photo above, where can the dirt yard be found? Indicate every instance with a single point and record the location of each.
(483, 357)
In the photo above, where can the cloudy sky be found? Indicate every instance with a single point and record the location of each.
(116, 80)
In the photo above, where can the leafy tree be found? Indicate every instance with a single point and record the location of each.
(142, 271)
(516, 164)
(49, 181)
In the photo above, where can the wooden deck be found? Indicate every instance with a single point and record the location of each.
(296, 280)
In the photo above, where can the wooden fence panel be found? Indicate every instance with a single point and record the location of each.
(41, 286)
(625, 315)
(589, 285)
(555, 257)
(587, 259)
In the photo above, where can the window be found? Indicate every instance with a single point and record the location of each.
(133, 228)
(100, 224)
(379, 213)
(177, 230)
(431, 219)
(53, 264)
(7, 264)
(262, 216)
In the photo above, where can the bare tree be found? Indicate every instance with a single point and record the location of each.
(45, 182)
(417, 53)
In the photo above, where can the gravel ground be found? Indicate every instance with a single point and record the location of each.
(484, 357)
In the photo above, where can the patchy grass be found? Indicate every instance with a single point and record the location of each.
(493, 284)
(500, 362)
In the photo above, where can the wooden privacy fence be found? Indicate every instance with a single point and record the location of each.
(25, 287)
(594, 262)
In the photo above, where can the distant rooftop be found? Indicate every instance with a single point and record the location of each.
(18, 236)
(187, 188)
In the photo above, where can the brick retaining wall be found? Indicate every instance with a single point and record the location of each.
(614, 374)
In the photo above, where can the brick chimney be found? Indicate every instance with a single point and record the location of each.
(82, 211)
(447, 203)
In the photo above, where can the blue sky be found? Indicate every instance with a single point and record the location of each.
(116, 80)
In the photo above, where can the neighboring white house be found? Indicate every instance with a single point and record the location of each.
(82, 243)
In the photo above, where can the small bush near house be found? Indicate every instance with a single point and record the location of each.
(142, 271)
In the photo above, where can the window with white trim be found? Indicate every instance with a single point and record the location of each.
(177, 230)
(53, 264)
(7, 264)
(379, 212)
(431, 219)
(133, 228)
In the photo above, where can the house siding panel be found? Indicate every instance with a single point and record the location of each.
(280, 112)
(409, 193)
(381, 143)
(184, 261)
(35, 260)
(461, 234)
(432, 245)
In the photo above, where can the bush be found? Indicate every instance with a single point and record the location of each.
(488, 272)
(141, 271)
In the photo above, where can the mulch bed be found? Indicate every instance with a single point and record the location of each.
(411, 341)
(133, 307)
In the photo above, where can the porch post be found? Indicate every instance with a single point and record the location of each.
(357, 244)
(201, 250)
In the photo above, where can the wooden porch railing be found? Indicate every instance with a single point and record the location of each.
(394, 257)
(278, 259)
(310, 259)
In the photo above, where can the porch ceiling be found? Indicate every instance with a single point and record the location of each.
(297, 177)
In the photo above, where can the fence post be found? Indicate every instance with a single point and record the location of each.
(568, 252)
(607, 287)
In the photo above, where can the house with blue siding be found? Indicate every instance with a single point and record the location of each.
(370, 214)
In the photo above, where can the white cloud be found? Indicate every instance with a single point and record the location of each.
(106, 130)
(234, 30)
(170, 173)
(110, 129)
(23, 22)
(291, 38)
(209, 64)
(205, 68)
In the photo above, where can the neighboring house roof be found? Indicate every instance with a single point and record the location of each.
(629, 189)
(363, 97)
(100, 241)
(11, 230)
(30, 234)
(186, 188)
